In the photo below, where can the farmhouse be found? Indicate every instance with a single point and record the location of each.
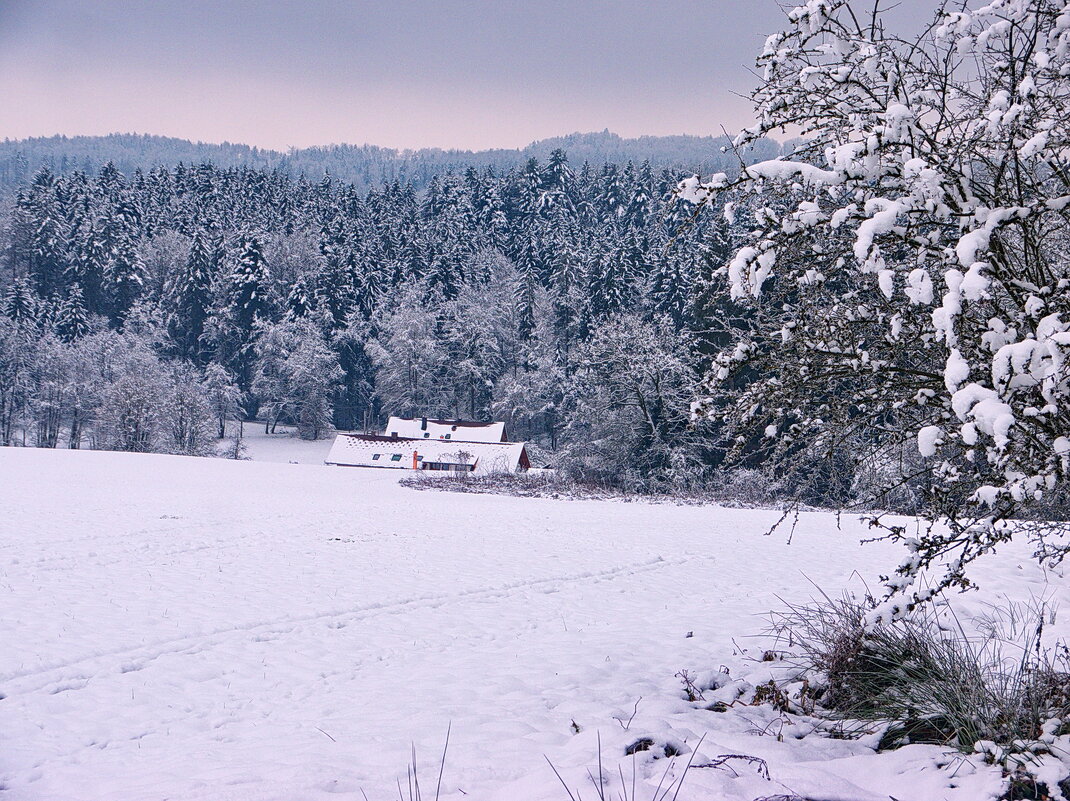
(438, 445)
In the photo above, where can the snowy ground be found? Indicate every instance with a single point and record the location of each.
(282, 446)
(207, 629)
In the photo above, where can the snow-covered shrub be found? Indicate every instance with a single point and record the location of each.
(188, 413)
(929, 679)
(135, 392)
(904, 278)
(526, 485)
(747, 486)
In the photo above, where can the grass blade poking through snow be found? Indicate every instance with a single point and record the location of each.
(413, 776)
(661, 792)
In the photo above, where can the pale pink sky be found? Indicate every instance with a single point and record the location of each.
(423, 73)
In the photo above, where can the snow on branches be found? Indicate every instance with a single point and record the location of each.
(906, 271)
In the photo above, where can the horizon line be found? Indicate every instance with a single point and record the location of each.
(293, 148)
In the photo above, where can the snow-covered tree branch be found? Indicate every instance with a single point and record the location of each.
(906, 271)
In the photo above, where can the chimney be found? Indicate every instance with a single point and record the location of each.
(423, 424)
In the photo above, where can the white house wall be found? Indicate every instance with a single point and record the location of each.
(489, 457)
(446, 430)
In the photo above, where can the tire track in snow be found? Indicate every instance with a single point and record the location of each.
(128, 659)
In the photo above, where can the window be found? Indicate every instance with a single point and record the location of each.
(464, 468)
(395, 457)
(447, 436)
(375, 457)
(427, 434)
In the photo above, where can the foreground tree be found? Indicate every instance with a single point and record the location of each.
(906, 275)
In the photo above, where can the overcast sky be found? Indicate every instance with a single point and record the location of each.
(417, 73)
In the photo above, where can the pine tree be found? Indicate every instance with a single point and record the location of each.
(610, 282)
(72, 320)
(190, 300)
(558, 179)
(371, 287)
(49, 239)
(20, 303)
(249, 286)
(335, 285)
(670, 289)
(444, 275)
(530, 188)
(613, 198)
(86, 264)
(566, 280)
(641, 201)
(524, 298)
(302, 298)
(233, 327)
(124, 279)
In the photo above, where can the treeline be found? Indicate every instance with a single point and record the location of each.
(365, 166)
(141, 311)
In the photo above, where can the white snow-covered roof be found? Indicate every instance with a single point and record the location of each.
(404, 453)
(460, 430)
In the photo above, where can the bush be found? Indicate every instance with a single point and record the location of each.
(995, 692)
(747, 487)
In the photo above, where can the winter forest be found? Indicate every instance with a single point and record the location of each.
(142, 312)
(871, 319)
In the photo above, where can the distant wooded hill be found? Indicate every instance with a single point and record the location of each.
(362, 165)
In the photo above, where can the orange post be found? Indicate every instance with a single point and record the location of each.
(415, 461)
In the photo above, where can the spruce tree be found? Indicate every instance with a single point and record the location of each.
(190, 300)
(71, 320)
(48, 249)
(249, 286)
(248, 304)
(302, 297)
(20, 303)
(124, 279)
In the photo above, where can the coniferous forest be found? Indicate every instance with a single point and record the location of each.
(144, 311)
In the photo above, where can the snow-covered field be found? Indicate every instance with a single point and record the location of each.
(178, 628)
(281, 446)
